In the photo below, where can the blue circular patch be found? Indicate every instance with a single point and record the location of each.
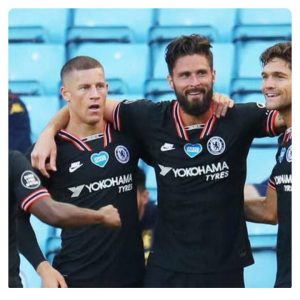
(122, 154)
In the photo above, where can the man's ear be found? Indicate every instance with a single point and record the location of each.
(170, 80)
(65, 94)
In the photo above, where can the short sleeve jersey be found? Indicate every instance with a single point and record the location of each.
(200, 178)
(92, 173)
(24, 189)
(281, 181)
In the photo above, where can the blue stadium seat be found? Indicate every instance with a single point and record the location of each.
(41, 109)
(223, 64)
(266, 23)
(163, 34)
(260, 163)
(247, 90)
(38, 25)
(247, 63)
(158, 90)
(116, 25)
(255, 31)
(29, 277)
(37, 63)
(263, 16)
(263, 272)
(121, 97)
(127, 62)
(213, 18)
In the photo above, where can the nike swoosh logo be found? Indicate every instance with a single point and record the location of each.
(74, 168)
(166, 148)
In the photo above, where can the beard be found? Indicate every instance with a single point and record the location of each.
(195, 107)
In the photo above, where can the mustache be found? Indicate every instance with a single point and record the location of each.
(197, 90)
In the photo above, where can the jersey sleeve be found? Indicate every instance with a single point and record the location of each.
(27, 242)
(256, 118)
(133, 117)
(27, 187)
(271, 182)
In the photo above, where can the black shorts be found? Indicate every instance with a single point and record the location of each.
(158, 277)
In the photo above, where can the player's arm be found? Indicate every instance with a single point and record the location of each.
(67, 215)
(45, 147)
(29, 247)
(262, 209)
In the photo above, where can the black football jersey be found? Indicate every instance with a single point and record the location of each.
(92, 173)
(281, 181)
(24, 189)
(200, 177)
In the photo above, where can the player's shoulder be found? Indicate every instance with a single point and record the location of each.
(16, 157)
(247, 109)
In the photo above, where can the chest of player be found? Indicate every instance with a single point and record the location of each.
(95, 172)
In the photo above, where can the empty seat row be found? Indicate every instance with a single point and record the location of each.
(139, 25)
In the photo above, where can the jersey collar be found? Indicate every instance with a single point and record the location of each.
(80, 144)
(180, 128)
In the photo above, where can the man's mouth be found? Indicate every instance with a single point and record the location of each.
(94, 107)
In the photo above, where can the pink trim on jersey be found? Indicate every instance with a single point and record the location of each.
(209, 126)
(76, 141)
(271, 122)
(36, 195)
(116, 118)
(271, 184)
(181, 131)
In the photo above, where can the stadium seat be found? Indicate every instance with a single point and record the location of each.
(223, 64)
(158, 90)
(131, 97)
(38, 25)
(127, 62)
(266, 23)
(41, 109)
(260, 163)
(263, 272)
(151, 184)
(263, 16)
(247, 90)
(247, 53)
(163, 34)
(39, 64)
(255, 31)
(217, 23)
(110, 25)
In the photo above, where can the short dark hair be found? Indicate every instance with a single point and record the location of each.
(280, 50)
(79, 63)
(140, 179)
(188, 45)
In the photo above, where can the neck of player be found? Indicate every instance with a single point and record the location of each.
(83, 130)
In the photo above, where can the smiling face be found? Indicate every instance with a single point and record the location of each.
(192, 80)
(86, 92)
(277, 84)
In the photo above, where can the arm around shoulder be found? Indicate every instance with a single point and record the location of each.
(262, 209)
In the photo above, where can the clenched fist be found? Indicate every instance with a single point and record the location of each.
(110, 216)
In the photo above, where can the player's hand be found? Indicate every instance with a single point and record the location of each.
(222, 103)
(110, 216)
(44, 149)
(51, 278)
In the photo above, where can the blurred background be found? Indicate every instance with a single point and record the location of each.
(130, 43)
